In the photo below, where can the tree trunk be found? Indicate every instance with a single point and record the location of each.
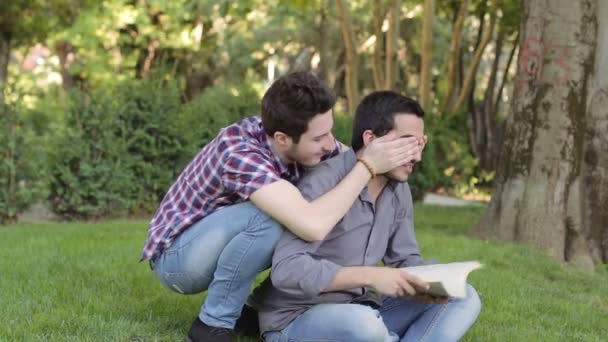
(377, 70)
(427, 53)
(505, 75)
(5, 54)
(472, 71)
(486, 142)
(592, 232)
(455, 52)
(553, 172)
(351, 82)
(392, 35)
(324, 42)
(65, 52)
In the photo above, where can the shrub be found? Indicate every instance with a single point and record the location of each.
(91, 175)
(157, 149)
(216, 108)
(18, 186)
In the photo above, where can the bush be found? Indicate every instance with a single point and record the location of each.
(18, 172)
(216, 108)
(91, 173)
(120, 151)
(455, 162)
(149, 113)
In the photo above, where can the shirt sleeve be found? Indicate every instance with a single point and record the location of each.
(245, 172)
(403, 248)
(295, 267)
(297, 271)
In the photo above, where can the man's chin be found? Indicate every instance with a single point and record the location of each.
(401, 178)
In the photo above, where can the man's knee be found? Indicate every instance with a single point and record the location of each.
(365, 325)
(472, 302)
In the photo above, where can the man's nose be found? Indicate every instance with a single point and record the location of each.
(330, 143)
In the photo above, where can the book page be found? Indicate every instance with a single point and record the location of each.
(445, 279)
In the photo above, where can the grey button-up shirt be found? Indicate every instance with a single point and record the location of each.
(367, 234)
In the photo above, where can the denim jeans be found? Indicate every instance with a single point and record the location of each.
(221, 253)
(398, 319)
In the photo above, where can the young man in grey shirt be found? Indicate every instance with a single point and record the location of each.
(334, 290)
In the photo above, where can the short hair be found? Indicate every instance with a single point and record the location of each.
(292, 101)
(377, 111)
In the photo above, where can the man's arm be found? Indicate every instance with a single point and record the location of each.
(313, 220)
(388, 281)
(295, 270)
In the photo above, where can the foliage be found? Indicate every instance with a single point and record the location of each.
(454, 165)
(77, 282)
(215, 108)
(19, 165)
(148, 112)
(29, 21)
(90, 176)
(123, 147)
(220, 54)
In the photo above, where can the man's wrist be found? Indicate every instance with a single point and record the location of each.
(368, 166)
(367, 276)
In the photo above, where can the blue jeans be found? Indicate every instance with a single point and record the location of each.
(398, 319)
(221, 253)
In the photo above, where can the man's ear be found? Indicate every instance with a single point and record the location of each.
(368, 136)
(282, 139)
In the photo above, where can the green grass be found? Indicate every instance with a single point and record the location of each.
(83, 282)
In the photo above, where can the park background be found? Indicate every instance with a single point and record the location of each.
(102, 104)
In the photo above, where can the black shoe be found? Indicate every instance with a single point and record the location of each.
(201, 332)
(247, 324)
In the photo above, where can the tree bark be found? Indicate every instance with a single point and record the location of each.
(392, 36)
(455, 52)
(427, 52)
(5, 54)
(593, 232)
(351, 82)
(63, 49)
(472, 71)
(377, 70)
(485, 143)
(552, 175)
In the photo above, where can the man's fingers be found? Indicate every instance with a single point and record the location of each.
(387, 137)
(417, 282)
(407, 288)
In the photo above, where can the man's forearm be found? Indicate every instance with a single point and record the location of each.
(333, 205)
(351, 277)
(311, 221)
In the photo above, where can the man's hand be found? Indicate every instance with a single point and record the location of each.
(389, 151)
(395, 282)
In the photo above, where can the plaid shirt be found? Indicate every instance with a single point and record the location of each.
(226, 171)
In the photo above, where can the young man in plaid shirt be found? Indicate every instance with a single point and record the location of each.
(217, 226)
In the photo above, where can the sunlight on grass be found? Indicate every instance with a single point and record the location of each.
(83, 282)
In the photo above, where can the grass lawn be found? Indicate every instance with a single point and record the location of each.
(83, 282)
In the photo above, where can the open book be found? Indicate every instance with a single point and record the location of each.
(445, 279)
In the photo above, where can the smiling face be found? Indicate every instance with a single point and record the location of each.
(407, 125)
(315, 142)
